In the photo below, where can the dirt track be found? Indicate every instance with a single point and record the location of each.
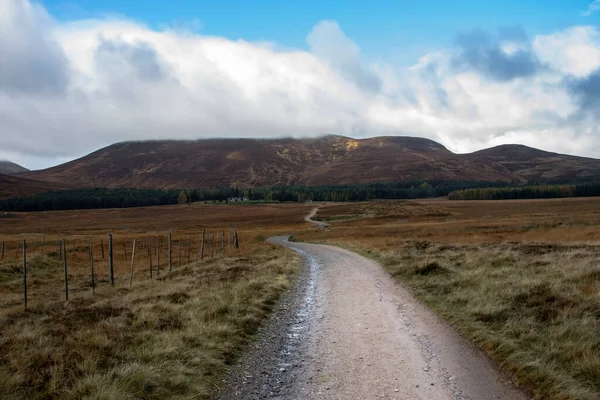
(367, 337)
(313, 212)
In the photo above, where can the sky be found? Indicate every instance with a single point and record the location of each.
(79, 75)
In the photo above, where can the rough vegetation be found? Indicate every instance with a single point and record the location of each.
(533, 308)
(167, 338)
(172, 338)
(382, 210)
(521, 279)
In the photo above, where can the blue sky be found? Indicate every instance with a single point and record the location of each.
(392, 29)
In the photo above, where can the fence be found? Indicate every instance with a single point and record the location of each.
(124, 258)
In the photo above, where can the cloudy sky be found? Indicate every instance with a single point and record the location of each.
(79, 75)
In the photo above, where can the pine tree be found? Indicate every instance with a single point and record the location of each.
(182, 198)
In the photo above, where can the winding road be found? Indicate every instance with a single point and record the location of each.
(349, 331)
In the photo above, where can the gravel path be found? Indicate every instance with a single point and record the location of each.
(357, 334)
(313, 212)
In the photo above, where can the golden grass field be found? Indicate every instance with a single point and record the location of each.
(521, 279)
(170, 337)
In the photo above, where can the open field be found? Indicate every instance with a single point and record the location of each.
(170, 337)
(160, 218)
(521, 279)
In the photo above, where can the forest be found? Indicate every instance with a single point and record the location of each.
(123, 198)
(455, 190)
(527, 192)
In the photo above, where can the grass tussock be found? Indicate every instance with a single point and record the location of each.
(173, 338)
(430, 268)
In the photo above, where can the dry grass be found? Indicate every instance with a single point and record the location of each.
(521, 279)
(378, 211)
(171, 337)
(162, 218)
(533, 308)
(146, 225)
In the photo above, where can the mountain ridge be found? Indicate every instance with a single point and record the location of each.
(325, 160)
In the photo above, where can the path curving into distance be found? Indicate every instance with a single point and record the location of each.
(349, 331)
(313, 212)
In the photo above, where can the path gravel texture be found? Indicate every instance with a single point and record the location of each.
(355, 333)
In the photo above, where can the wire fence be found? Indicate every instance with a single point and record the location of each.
(88, 262)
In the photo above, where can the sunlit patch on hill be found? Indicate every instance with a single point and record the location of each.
(351, 145)
(236, 155)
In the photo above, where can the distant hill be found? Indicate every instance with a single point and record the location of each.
(217, 163)
(13, 186)
(10, 168)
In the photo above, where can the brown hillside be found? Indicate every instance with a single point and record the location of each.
(215, 163)
(529, 163)
(13, 186)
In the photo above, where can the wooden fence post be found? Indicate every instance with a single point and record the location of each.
(223, 242)
(111, 271)
(197, 250)
(189, 249)
(150, 256)
(102, 247)
(158, 245)
(64, 245)
(132, 261)
(202, 248)
(206, 252)
(92, 281)
(236, 243)
(25, 273)
(179, 250)
(170, 253)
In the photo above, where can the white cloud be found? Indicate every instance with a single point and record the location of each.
(592, 8)
(575, 51)
(114, 79)
(30, 60)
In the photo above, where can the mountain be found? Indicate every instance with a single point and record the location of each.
(10, 168)
(528, 163)
(216, 163)
(13, 186)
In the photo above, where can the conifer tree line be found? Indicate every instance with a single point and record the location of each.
(455, 190)
(527, 192)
